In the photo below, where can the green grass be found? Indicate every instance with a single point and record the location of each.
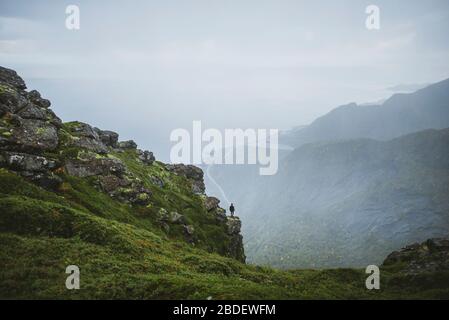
(124, 252)
(120, 255)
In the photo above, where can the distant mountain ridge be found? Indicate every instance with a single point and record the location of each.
(401, 114)
(348, 163)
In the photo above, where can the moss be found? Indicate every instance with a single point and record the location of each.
(6, 89)
(41, 131)
(143, 197)
(124, 254)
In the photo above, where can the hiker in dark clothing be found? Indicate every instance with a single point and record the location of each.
(232, 209)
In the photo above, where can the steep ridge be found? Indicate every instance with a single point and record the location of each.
(35, 144)
(401, 114)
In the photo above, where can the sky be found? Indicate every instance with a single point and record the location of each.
(145, 68)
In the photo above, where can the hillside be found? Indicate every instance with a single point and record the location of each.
(350, 203)
(71, 194)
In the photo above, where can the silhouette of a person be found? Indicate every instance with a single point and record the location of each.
(232, 209)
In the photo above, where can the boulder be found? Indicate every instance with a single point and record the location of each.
(32, 111)
(81, 129)
(220, 214)
(176, 218)
(26, 162)
(10, 77)
(86, 137)
(211, 203)
(126, 145)
(35, 97)
(108, 138)
(90, 144)
(194, 174)
(112, 183)
(34, 135)
(146, 157)
(125, 189)
(94, 167)
(11, 100)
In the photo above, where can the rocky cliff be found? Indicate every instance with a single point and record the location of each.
(59, 157)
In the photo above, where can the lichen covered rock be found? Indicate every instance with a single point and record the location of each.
(194, 174)
(429, 256)
(235, 249)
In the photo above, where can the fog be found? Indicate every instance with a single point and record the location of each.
(148, 67)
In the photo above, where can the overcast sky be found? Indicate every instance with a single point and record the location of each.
(143, 68)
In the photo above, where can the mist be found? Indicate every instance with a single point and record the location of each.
(147, 68)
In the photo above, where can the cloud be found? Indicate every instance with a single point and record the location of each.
(409, 87)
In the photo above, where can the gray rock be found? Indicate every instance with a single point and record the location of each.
(108, 138)
(10, 77)
(27, 162)
(233, 225)
(35, 135)
(35, 97)
(235, 247)
(125, 189)
(81, 129)
(211, 203)
(90, 144)
(175, 217)
(94, 167)
(86, 137)
(146, 157)
(130, 144)
(112, 183)
(220, 214)
(194, 174)
(32, 111)
(11, 100)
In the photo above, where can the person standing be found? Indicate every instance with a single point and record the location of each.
(232, 209)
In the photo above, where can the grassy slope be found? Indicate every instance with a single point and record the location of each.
(122, 256)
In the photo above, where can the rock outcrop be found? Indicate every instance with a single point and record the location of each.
(35, 144)
(233, 225)
(28, 130)
(194, 174)
(429, 256)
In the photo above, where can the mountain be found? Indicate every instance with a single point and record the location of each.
(312, 199)
(72, 194)
(340, 204)
(401, 114)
